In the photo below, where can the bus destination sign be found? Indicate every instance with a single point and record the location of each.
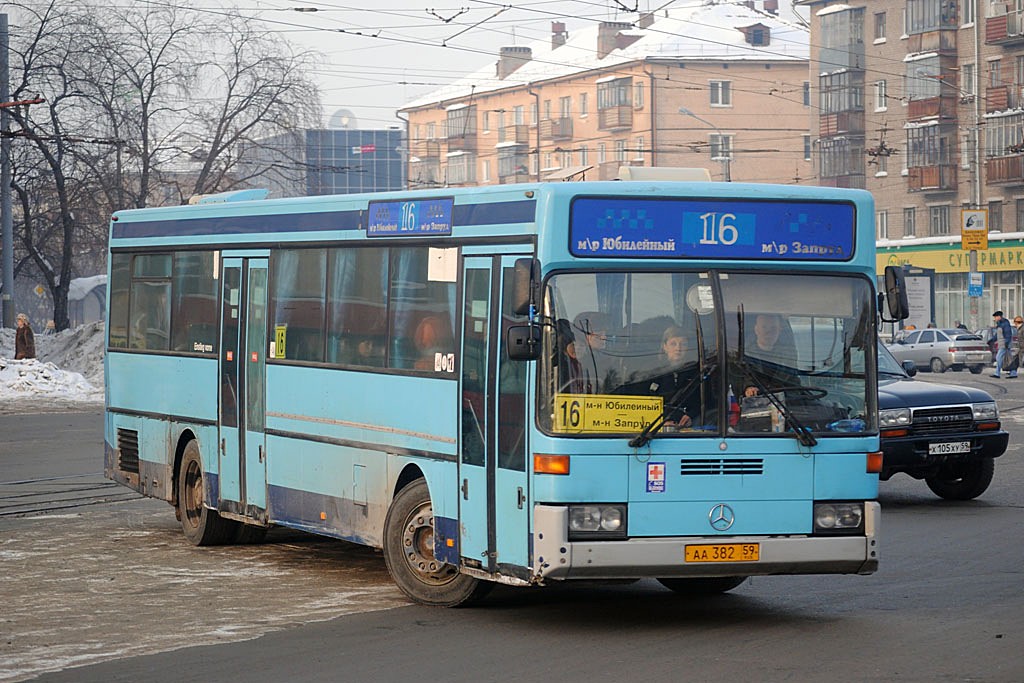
(711, 228)
(414, 217)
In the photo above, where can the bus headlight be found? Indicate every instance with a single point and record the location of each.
(838, 518)
(597, 521)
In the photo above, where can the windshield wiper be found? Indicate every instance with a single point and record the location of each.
(803, 434)
(652, 427)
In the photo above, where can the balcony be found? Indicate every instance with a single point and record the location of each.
(517, 177)
(518, 134)
(943, 107)
(609, 170)
(840, 123)
(938, 40)
(426, 149)
(556, 129)
(1005, 29)
(1004, 97)
(613, 118)
(852, 180)
(1005, 170)
(465, 142)
(931, 179)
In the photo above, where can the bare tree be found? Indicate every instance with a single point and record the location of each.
(142, 107)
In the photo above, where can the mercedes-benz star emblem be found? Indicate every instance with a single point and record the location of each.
(721, 517)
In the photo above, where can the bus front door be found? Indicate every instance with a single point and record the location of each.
(243, 357)
(493, 493)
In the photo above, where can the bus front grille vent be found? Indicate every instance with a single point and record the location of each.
(128, 450)
(718, 466)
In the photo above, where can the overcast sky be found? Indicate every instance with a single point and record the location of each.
(375, 60)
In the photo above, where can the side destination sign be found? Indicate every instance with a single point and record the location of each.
(711, 228)
(410, 218)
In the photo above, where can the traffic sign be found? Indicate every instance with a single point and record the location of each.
(974, 229)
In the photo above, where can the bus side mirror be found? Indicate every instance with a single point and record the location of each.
(909, 367)
(895, 295)
(524, 288)
(523, 342)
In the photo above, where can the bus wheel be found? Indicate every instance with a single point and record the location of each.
(409, 554)
(710, 586)
(249, 534)
(202, 526)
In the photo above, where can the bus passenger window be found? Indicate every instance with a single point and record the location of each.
(299, 279)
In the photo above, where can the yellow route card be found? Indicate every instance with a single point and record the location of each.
(600, 413)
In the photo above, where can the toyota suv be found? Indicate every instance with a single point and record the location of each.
(949, 436)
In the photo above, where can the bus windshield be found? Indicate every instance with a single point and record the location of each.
(707, 352)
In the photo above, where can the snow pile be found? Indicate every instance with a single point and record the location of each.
(68, 366)
(34, 378)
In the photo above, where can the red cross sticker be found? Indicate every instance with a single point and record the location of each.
(657, 472)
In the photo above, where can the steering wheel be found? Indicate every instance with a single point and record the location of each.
(812, 393)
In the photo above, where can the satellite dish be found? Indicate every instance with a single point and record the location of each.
(343, 118)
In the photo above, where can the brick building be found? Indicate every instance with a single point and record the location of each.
(611, 94)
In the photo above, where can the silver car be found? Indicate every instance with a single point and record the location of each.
(937, 350)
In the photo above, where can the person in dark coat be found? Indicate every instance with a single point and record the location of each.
(677, 374)
(1004, 337)
(24, 340)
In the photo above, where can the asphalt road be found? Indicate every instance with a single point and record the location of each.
(105, 589)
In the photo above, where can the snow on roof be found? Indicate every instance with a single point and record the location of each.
(832, 10)
(704, 32)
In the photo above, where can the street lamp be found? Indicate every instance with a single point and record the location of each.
(725, 158)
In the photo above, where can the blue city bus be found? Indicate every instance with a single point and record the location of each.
(518, 384)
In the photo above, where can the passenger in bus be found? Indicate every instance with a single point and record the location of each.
(432, 337)
(769, 356)
(591, 332)
(570, 373)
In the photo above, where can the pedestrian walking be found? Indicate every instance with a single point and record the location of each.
(1004, 336)
(24, 340)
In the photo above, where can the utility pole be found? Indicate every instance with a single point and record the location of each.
(6, 220)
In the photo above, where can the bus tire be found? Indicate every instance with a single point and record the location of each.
(963, 481)
(703, 586)
(409, 554)
(249, 534)
(201, 525)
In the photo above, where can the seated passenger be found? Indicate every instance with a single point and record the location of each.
(570, 373)
(591, 332)
(432, 337)
(679, 374)
(768, 358)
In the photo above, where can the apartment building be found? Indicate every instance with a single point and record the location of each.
(722, 86)
(922, 103)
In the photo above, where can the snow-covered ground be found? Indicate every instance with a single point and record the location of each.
(66, 373)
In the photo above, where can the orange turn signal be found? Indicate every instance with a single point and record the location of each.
(891, 433)
(987, 426)
(550, 464)
(874, 462)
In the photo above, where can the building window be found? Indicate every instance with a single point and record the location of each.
(638, 96)
(721, 93)
(995, 216)
(995, 79)
(842, 39)
(967, 11)
(938, 220)
(614, 93)
(807, 147)
(1004, 135)
(882, 225)
(930, 15)
(564, 107)
(1020, 215)
(547, 110)
(462, 169)
(881, 165)
(638, 153)
(881, 96)
(583, 104)
(485, 171)
(807, 93)
(879, 26)
(842, 157)
(533, 114)
(602, 155)
(549, 161)
(968, 80)
(843, 91)
(518, 115)
(584, 156)
(924, 78)
(927, 146)
(721, 146)
(909, 218)
(431, 131)
(620, 150)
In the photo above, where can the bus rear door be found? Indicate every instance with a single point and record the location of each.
(243, 357)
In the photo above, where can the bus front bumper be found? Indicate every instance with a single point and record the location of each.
(556, 558)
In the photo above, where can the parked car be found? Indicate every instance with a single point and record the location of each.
(939, 350)
(949, 436)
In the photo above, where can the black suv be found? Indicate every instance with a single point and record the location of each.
(949, 436)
